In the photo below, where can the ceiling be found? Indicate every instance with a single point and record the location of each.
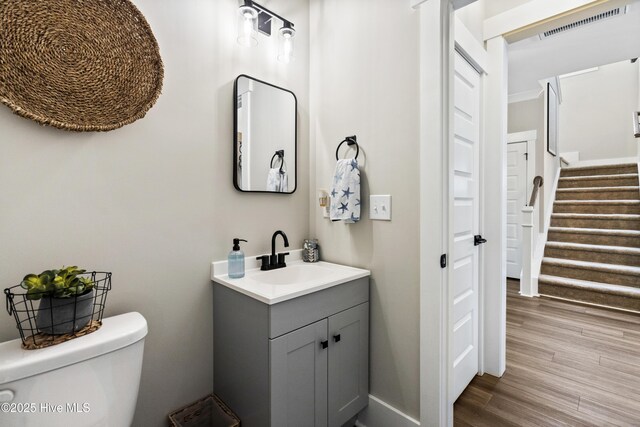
(611, 40)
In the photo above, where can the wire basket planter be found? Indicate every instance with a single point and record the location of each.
(45, 320)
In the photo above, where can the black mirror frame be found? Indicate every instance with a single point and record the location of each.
(235, 137)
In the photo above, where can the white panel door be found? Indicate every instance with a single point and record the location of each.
(466, 211)
(516, 200)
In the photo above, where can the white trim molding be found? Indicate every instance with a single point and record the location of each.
(469, 47)
(494, 152)
(538, 254)
(525, 136)
(381, 414)
(457, 4)
(436, 75)
(534, 12)
(527, 95)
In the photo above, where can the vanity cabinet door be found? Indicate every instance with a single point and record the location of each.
(348, 364)
(298, 373)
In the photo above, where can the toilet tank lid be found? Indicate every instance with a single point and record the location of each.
(116, 332)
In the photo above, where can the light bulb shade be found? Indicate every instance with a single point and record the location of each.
(247, 26)
(286, 36)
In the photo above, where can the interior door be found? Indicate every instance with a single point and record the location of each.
(516, 200)
(299, 377)
(466, 212)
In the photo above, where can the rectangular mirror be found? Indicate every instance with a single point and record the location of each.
(265, 137)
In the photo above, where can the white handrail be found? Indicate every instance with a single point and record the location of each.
(636, 124)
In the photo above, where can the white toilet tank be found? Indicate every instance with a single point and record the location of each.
(88, 381)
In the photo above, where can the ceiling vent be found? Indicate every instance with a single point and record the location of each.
(618, 11)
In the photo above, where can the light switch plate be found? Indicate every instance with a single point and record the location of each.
(380, 207)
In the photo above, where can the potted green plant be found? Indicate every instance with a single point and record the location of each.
(66, 296)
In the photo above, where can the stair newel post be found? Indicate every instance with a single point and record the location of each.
(528, 287)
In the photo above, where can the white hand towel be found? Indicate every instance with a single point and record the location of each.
(345, 192)
(277, 181)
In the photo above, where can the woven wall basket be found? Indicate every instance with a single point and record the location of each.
(81, 65)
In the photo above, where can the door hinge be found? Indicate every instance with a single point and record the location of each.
(526, 156)
(443, 261)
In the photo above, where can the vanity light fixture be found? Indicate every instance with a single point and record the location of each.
(254, 18)
(247, 24)
(286, 35)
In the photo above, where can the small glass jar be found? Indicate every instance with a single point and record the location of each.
(310, 252)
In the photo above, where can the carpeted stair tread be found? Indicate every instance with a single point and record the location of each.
(623, 217)
(585, 285)
(598, 202)
(599, 189)
(631, 233)
(598, 177)
(594, 248)
(595, 266)
(595, 206)
(608, 221)
(629, 192)
(619, 180)
(599, 170)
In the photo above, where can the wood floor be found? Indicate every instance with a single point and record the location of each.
(567, 365)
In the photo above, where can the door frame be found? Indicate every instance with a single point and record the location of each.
(529, 138)
(440, 34)
(436, 44)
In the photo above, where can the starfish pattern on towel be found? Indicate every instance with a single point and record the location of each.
(345, 192)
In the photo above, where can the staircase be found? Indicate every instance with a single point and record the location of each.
(593, 246)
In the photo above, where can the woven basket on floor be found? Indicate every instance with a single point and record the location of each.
(81, 65)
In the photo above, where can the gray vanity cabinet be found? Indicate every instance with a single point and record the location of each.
(326, 384)
(301, 362)
(299, 377)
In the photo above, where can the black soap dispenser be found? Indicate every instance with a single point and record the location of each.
(236, 260)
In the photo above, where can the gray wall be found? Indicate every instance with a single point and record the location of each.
(153, 202)
(364, 81)
(530, 115)
(595, 114)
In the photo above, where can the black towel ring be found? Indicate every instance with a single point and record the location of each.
(350, 140)
(280, 155)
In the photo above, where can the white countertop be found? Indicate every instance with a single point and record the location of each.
(301, 278)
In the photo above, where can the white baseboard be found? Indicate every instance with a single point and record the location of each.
(381, 414)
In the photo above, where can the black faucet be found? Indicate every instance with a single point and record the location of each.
(275, 260)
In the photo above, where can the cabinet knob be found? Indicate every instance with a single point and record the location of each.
(324, 344)
(336, 338)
